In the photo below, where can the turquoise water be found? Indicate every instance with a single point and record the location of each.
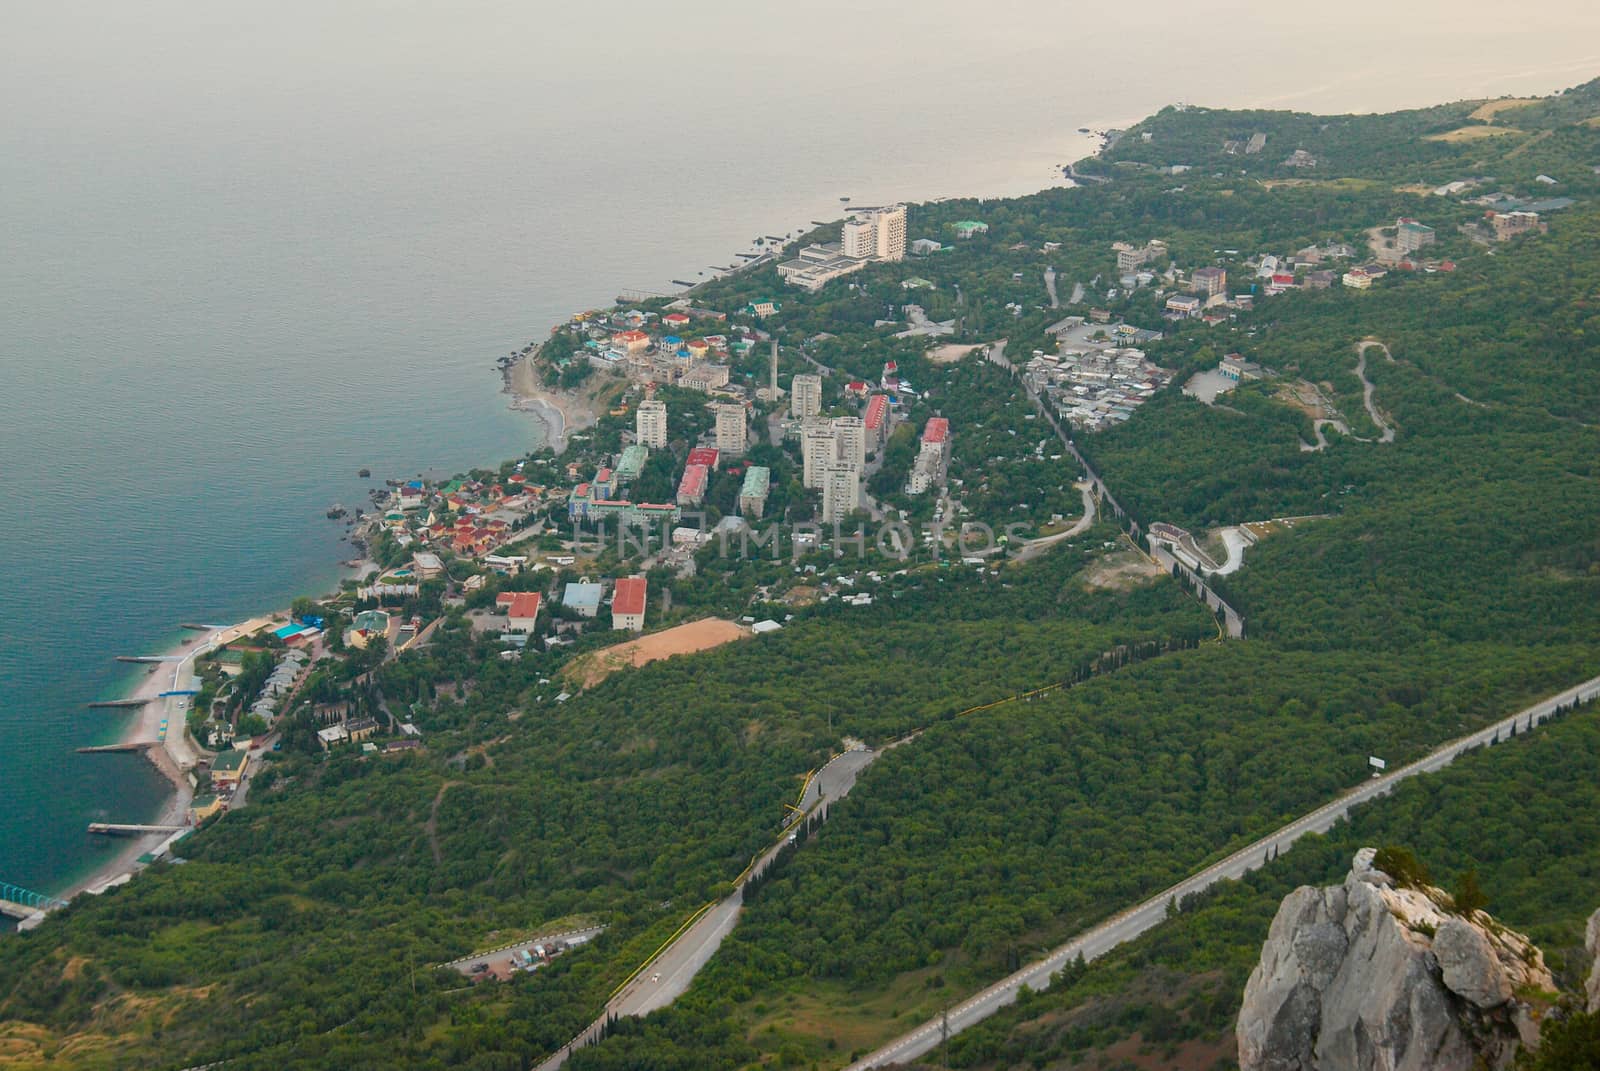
(251, 250)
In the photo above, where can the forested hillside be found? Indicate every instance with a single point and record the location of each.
(1437, 582)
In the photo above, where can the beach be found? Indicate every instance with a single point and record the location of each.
(562, 413)
(173, 755)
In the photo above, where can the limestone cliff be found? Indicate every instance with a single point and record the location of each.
(1373, 976)
(1591, 939)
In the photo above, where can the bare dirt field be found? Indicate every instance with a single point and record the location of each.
(703, 635)
(1490, 108)
(1474, 133)
(950, 353)
(1122, 570)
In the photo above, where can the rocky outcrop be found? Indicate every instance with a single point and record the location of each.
(1373, 976)
(1591, 941)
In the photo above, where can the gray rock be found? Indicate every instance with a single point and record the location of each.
(1469, 965)
(1591, 940)
(1367, 976)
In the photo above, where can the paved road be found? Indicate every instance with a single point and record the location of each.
(1035, 547)
(1130, 924)
(668, 975)
(1050, 285)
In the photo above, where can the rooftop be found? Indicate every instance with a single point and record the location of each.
(630, 595)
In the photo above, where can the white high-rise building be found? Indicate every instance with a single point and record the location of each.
(850, 433)
(730, 429)
(819, 449)
(875, 234)
(805, 396)
(650, 423)
(841, 491)
(891, 236)
(859, 238)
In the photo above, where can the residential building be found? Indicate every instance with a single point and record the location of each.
(924, 246)
(969, 228)
(522, 613)
(841, 491)
(1411, 236)
(850, 439)
(817, 450)
(426, 565)
(650, 423)
(753, 494)
(731, 429)
(805, 395)
(936, 437)
(692, 487)
(582, 598)
(1130, 258)
(628, 603)
(1510, 224)
(1321, 280)
(704, 455)
(1358, 279)
(228, 769)
(762, 309)
(1209, 281)
(876, 422)
(858, 238)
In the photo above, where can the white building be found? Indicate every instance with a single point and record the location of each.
(650, 423)
(730, 429)
(805, 396)
(841, 491)
(875, 234)
(850, 437)
(818, 449)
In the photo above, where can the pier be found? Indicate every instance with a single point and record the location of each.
(25, 904)
(118, 829)
(106, 749)
(150, 658)
(117, 704)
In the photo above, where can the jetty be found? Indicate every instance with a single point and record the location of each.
(117, 704)
(150, 658)
(193, 627)
(106, 749)
(121, 829)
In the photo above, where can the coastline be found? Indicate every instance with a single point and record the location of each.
(173, 756)
(561, 412)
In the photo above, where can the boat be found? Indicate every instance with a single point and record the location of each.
(1083, 130)
(364, 473)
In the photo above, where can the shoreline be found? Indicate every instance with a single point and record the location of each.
(172, 757)
(561, 412)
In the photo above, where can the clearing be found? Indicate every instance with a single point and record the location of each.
(702, 635)
(1122, 570)
(1490, 108)
(950, 352)
(1474, 133)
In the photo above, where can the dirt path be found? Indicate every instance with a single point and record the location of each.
(431, 826)
(589, 670)
(1385, 429)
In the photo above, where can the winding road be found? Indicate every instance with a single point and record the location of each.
(666, 975)
(1385, 429)
(1101, 939)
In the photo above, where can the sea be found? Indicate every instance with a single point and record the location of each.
(247, 250)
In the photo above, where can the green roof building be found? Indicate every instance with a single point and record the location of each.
(753, 493)
(631, 463)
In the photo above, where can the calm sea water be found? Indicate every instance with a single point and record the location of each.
(251, 249)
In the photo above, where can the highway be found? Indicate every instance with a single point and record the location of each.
(667, 974)
(1132, 923)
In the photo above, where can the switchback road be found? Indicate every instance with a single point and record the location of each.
(1136, 921)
